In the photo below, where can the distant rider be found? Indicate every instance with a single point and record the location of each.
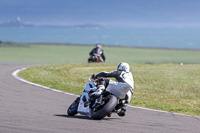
(97, 51)
(123, 77)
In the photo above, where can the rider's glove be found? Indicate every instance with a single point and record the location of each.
(93, 90)
(97, 93)
(93, 76)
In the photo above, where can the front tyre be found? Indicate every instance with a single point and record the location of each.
(106, 109)
(72, 110)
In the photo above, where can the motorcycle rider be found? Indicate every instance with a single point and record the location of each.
(124, 78)
(97, 51)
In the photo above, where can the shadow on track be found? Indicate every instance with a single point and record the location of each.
(76, 116)
(82, 117)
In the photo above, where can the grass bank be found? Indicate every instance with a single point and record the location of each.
(59, 54)
(169, 87)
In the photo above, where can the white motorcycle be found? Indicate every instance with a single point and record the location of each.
(110, 101)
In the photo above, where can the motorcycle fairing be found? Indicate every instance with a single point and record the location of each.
(118, 89)
(82, 109)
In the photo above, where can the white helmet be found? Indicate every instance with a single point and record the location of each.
(123, 67)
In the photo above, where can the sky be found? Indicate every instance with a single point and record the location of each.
(103, 12)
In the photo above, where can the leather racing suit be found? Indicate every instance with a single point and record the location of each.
(122, 78)
(98, 51)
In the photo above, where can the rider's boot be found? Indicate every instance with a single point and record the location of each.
(109, 115)
(122, 112)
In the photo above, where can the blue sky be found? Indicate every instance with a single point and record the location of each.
(104, 12)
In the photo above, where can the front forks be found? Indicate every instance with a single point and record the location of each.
(97, 102)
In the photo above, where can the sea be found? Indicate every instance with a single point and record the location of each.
(158, 37)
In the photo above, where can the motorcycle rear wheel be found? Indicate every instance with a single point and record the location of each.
(72, 110)
(106, 109)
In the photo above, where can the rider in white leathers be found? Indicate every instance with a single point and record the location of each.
(124, 78)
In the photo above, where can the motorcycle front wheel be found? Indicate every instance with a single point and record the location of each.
(106, 109)
(72, 110)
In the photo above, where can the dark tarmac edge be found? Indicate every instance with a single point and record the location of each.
(27, 44)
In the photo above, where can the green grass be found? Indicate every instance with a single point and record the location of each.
(58, 54)
(169, 87)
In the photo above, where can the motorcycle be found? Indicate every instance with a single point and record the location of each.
(95, 58)
(110, 101)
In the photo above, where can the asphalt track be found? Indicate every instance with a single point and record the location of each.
(26, 108)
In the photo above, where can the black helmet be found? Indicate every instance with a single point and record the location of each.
(98, 45)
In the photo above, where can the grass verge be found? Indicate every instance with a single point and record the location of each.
(169, 87)
(57, 54)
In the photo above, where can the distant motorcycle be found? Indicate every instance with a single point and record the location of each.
(110, 101)
(95, 58)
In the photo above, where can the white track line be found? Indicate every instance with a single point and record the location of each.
(15, 74)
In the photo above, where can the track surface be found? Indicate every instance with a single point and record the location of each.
(26, 108)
